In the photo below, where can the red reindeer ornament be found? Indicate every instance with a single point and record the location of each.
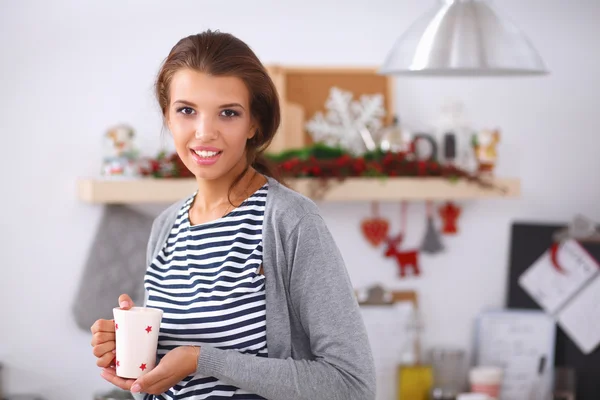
(405, 259)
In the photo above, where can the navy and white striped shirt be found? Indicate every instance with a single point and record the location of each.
(207, 281)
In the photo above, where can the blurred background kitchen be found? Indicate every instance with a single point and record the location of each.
(494, 304)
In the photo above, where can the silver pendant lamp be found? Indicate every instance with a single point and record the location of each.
(463, 38)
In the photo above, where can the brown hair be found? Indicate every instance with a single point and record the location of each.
(222, 54)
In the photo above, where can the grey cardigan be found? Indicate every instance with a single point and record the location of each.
(317, 341)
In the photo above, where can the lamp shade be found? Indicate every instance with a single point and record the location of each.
(463, 38)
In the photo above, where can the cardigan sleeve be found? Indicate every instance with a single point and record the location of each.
(322, 299)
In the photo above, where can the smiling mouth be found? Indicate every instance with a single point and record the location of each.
(207, 154)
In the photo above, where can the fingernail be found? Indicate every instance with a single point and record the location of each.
(124, 304)
(103, 373)
(135, 388)
(114, 351)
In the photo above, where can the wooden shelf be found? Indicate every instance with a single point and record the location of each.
(150, 190)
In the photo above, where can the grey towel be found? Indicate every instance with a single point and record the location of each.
(116, 264)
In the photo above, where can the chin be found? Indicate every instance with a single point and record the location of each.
(208, 175)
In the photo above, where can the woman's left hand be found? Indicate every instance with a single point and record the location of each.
(173, 367)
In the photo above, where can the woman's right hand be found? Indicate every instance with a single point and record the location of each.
(103, 336)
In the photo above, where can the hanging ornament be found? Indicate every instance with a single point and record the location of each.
(375, 229)
(432, 243)
(405, 259)
(449, 213)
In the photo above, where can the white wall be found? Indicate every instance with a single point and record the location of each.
(70, 69)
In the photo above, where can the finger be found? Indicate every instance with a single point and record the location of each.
(159, 387)
(105, 360)
(103, 325)
(110, 375)
(153, 382)
(125, 302)
(104, 348)
(102, 337)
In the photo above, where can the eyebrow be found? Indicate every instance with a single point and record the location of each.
(189, 103)
(232, 105)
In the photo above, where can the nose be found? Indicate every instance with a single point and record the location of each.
(206, 128)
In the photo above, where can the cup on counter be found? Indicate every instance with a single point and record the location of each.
(486, 380)
(136, 337)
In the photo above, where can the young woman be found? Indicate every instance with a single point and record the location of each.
(256, 298)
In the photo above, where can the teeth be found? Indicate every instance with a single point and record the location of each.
(204, 153)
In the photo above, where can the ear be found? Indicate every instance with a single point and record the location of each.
(253, 130)
(167, 121)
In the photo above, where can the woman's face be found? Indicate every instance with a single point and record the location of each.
(209, 118)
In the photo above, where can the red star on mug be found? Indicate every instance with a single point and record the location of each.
(116, 326)
(148, 329)
(118, 363)
(143, 367)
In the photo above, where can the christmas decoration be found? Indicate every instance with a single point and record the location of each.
(449, 213)
(323, 161)
(453, 133)
(484, 145)
(165, 166)
(395, 139)
(424, 147)
(120, 153)
(431, 242)
(405, 259)
(333, 164)
(375, 229)
(348, 123)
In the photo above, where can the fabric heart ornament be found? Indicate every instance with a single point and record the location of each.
(375, 229)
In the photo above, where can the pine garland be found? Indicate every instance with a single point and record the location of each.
(325, 162)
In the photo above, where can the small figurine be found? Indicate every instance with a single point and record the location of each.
(484, 144)
(120, 154)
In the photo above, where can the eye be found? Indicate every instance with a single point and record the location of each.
(185, 110)
(229, 113)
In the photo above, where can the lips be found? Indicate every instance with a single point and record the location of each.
(205, 155)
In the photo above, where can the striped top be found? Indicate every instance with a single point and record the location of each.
(207, 281)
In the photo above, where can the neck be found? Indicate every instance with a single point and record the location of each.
(216, 192)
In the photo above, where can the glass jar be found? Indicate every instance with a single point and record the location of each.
(449, 373)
